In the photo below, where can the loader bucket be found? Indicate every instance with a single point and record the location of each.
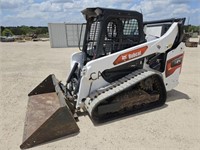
(48, 116)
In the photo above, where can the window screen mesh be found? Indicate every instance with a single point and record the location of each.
(92, 38)
(130, 27)
(120, 34)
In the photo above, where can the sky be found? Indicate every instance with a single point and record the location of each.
(42, 12)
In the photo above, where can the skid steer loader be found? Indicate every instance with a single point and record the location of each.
(125, 66)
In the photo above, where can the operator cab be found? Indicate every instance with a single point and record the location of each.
(109, 31)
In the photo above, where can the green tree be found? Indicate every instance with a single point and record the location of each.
(7, 32)
(192, 28)
(24, 30)
(1, 29)
(16, 30)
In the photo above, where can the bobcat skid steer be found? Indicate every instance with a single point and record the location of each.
(125, 66)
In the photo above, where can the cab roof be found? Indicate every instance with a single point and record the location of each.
(99, 11)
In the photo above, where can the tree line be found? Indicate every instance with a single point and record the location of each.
(191, 28)
(23, 30)
(30, 30)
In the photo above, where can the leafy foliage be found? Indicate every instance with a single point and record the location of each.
(7, 32)
(191, 28)
(25, 30)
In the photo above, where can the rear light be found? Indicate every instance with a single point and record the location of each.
(173, 64)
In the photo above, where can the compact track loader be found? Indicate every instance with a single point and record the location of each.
(125, 66)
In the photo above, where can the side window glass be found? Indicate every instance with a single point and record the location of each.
(130, 27)
(111, 30)
(120, 33)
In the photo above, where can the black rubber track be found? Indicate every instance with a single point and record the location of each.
(158, 87)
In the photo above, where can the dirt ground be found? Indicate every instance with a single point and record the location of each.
(175, 126)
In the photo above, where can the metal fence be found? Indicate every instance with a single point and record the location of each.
(66, 35)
